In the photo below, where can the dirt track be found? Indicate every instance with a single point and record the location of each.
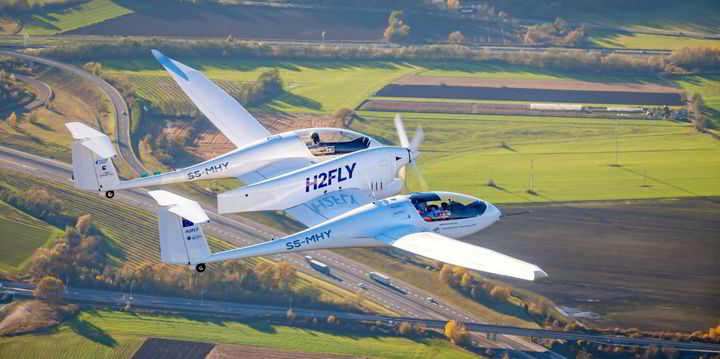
(534, 84)
(647, 264)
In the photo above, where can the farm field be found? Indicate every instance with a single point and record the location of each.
(571, 157)
(312, 86)
(22, 234)
(650, 264)
(636, 40)
(530, 94)
(689, 16)
(118, 335)
(258, 22)
(57, 20)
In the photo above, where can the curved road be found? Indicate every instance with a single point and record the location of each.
(122, 119)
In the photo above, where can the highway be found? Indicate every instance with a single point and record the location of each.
(345, 43)
(405, 300)
(185, 305)
(122, 112)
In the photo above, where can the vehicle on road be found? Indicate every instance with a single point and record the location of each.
(320, 267)
(379, 277)
(308, 258)
(362, 286)
(430, 299)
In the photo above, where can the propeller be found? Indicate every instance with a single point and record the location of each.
(413, 146)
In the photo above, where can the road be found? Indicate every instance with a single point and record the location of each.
(185, 305)
(405, 300)
(122, 123)
(345, 43)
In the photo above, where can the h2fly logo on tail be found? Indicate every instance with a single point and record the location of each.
(342, 173)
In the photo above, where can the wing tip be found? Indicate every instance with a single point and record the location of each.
(168, 64)
(539, 274)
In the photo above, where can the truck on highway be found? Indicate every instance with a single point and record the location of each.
(380, 278)
(319, 266)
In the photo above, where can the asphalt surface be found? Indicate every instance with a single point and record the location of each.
(185, 305)
(122, 113)
(401, 298)
(43, 94)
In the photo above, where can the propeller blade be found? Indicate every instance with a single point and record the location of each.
(400, 128)
(421, 179)
(417, 139)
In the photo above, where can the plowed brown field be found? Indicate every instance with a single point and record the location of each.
(227, 351)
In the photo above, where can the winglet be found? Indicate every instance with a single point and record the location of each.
(539, 274)
(181, 206)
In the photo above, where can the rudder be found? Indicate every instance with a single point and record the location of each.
(182, 240)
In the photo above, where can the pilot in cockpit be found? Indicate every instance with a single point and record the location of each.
(315, 138)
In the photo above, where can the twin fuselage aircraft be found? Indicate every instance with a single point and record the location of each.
(342, 184)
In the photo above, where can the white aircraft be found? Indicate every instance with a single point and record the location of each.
(421, 223)
(260, 155)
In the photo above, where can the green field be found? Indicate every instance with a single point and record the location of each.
(636, 40)
(571, 157)
(22, 234)
(53, 21)
(313, 86)
(118, 335)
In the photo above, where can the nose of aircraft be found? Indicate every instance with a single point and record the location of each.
(493, 211)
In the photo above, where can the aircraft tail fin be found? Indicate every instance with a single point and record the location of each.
(182, 240)
(92, 154)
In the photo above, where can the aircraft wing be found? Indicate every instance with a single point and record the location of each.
(275, 169)
(328, 206)
(238, 125)
(448, 250)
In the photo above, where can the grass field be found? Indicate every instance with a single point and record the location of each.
(22, 234)
(117, 335)
(313, 86)
(636, 40)
(54, 20)
(571, 157)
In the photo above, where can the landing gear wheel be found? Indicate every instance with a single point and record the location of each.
(200, 267)
(110, 194)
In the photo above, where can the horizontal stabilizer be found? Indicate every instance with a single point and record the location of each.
(93, 140)
(448, 250)
(181, 206)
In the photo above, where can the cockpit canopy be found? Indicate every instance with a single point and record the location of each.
(444, 206)
(334, 141)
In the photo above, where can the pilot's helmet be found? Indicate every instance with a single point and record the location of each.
(315, 137)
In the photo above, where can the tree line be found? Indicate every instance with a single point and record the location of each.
(486, 292)
(684, 59)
